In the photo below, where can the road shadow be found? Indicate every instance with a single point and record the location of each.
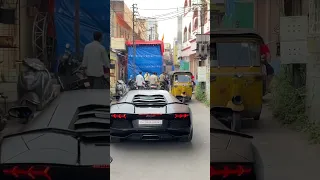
(153, 145)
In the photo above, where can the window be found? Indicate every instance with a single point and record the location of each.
(189, 31)
(195, 19)
(183, 78)
(185, 6)
(185, 35)
(244, 54)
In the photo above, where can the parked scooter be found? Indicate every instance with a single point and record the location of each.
(68, 63)
(3, 113)
(153, 86)
(121, 88)
(70, 75)
(35, 86)
(132, 83)
(147, 85)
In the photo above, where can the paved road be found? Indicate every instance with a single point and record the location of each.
(12, 127)
(286, 154)
(166, 160)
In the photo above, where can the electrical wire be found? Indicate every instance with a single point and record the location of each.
(163, 15)
(161, 9)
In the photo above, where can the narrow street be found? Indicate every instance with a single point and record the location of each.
(286, 154)
(166, 160)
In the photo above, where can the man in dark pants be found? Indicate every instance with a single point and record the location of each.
(265, 53)
(95, 60)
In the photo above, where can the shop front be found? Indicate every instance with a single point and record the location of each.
(113, 68)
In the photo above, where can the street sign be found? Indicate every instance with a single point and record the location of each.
(202, 74)
(293, 39)
(204, 38)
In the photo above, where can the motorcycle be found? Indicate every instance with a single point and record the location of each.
(164, 85)
(154, 86)
(3, 113)
(132, 84)
(121, 88)
(35, 85)
(147, 85)
(70, 75)
(68, 63)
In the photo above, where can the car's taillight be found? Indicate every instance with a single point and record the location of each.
(119, 116)
(103, 166)
(230, 170)
(53, 172)
(33, 172)
(181, 116)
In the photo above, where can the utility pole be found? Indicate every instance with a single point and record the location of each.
(201, 63)
(202, 41)
(77, 27)
(134, 13)
(151, 33)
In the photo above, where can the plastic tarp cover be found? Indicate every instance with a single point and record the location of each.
(148, 59)
(93, 17)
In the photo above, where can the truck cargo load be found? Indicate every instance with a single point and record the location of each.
(149, 57)
(93, 18)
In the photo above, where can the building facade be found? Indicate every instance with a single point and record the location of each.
(152, 29)
(191, 26)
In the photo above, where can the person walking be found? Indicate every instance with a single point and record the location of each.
(162, 80)
(140, 81)
(268, 69)
(146, 76)
(193, 82)
(153, 79)
(95, 62)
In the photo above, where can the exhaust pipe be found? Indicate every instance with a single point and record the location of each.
(150, 137)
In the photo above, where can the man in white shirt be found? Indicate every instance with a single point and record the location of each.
(140, 80)
(95, 59)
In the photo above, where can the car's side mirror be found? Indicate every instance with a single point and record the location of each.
(20, 112)
(111, 159)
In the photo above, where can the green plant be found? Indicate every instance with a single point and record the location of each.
(288, 105)
(200, 95)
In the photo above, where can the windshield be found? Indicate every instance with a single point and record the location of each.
(183, 78)
(235, 54)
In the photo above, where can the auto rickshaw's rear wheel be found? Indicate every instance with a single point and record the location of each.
(236, 121)
(256, 118)
(115, 140)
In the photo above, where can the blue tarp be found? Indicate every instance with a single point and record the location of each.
(93, 17)
(148, 59)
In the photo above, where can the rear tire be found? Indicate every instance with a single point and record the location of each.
(236, 122)
(187, 139)
(3, 120)
(256, 118)
(115, 140)
(32, 107)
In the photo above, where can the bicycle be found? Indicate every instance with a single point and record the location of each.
(3, 113)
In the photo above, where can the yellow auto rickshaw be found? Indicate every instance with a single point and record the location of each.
(181, 85)
(236, 76)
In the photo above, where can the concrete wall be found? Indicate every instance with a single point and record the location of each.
(23, 40)
(267, 19)
(313, 76)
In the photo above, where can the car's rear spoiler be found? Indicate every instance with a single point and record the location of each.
(149, 104)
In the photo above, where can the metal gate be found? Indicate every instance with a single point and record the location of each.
(9, 40)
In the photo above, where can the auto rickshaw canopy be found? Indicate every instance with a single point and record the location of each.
(237, 32)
